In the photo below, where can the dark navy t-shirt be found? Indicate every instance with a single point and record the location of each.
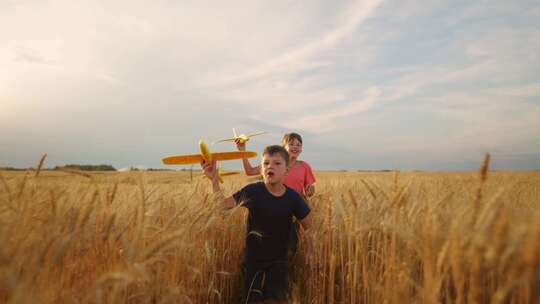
(269, 221)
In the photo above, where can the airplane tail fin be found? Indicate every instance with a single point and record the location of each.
(234, 132)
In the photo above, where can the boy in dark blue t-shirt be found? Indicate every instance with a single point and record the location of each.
(271, 206)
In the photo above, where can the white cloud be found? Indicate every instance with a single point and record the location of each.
(474, 122)
(164, 69)
(528, 90)
(298, 59)
(328, 120)
(285, 95)
(492, 58)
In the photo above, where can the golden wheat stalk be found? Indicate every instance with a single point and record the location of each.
(40, 164)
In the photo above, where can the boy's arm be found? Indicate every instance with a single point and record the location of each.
(211, 172)
(308, 239)
(248, 169)
(310, 190)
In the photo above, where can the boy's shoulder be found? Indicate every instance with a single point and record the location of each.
(305, 164)
(249, 192)
(256, 186)
(291, 193)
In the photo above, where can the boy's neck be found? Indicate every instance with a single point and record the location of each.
(276, 189)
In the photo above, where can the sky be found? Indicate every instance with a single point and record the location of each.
(374, 84)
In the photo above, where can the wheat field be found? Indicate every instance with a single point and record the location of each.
(381, 237)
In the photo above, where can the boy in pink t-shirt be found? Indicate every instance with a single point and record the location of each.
(300, 176)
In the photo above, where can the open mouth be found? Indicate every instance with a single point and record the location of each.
(270, 174)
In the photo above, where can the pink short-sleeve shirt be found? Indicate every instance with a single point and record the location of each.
(299, 177)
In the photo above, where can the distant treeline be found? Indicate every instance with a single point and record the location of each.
(12, 169)
(86, 167)
(83, 168)
(69, 167)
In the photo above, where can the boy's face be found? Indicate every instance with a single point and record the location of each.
(273, 168)
(294, 147)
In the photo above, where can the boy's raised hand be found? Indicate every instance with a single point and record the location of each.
(309, 190)
(210, 169)
(241, 146)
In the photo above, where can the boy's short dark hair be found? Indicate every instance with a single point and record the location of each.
(275, 149)
(288, 137)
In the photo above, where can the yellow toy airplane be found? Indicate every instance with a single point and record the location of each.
(207, 157)
(222, 174)
(242, 137)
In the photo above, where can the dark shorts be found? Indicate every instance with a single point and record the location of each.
(263, 281)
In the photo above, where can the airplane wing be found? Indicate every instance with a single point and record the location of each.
(182, 159)
(197, 158)
(225, 173)
(233, 155)
(256, 133)
(223, 140)
(229, 173)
